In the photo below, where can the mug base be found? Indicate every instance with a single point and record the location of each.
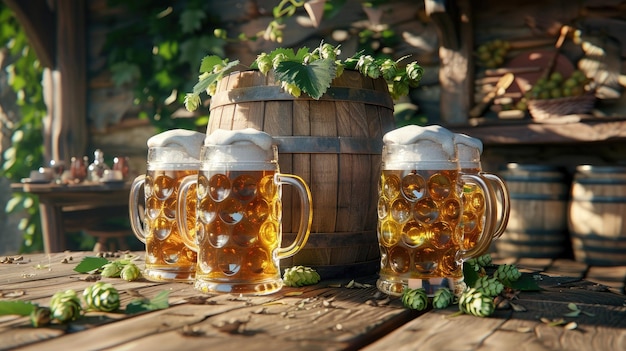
(169, 275)
(263, 287)
(395, 286)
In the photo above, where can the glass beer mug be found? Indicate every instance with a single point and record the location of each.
(167, 256)
(420, 211)
(238, 215)
(469, 150)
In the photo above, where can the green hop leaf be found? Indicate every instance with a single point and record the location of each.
(159, 302)
(313, 79)
(89, 264)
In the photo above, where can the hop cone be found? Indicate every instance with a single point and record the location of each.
(476, 303)
(40, 316)
(415, 299)
(489, 286)
(443, 298)
(130, 272)
(65, 306)
(507, 273)
(112, 269)
(102, 297)
(484, 260)
(299, 276)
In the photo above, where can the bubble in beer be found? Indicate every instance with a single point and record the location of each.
(207, 211)
(267, 187)
(426, 211)
(382, 207)
(442, 234)
(257, 260)
(164, 187)
(475, 199)
(400, 210)
(229, 261)
(218, 234)
(383, 256)
(219, 187)
(244, 188)
(389, 233)
(231, 211)
(426, 260)
(161, 228)
(200, 234)
(439, 186)
(413, 187)
(202, 186)
(391, 186)
(257, 211)
(169, 208)
(153, 207)
(148, 187)
(451, 210)
(399, 259)
(244, 234)
(269, 233)
(206, 262)
(415, 234)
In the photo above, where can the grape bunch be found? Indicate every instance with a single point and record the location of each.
(557, 86)
(492, 54)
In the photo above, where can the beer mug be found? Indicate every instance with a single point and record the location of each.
(469, 150)
(167, 256)
(238, 215)
(420, 211)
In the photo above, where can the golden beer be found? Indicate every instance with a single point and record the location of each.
(167, 256)
(238, 230)
(419, 213)
(473, 211)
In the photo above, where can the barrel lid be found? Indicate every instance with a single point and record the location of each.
(531, 167)
(600, 169)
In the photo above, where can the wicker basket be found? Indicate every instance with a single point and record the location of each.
(547, 108)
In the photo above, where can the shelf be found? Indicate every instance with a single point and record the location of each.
(570, 129)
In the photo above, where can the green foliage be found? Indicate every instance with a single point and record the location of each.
(26, 150)
(156, 52)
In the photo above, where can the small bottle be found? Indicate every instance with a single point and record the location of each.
(97, 167)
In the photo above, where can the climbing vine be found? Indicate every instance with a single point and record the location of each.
(26, 151)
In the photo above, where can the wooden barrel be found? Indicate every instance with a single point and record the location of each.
(538, 219)
(597, 212)
(335, 145)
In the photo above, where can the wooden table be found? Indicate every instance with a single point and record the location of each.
(74, 207)
(326, 316)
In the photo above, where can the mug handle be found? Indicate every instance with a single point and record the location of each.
(505, 201)
(182, 214)
(306, 215)
(484, 241)
(136, 223)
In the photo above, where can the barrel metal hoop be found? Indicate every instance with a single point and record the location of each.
(328, 145)
(276, 93)
(600, 199)
(555, 197)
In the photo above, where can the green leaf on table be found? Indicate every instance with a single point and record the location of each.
(89, 264)
(470, 275)
(159, 302)
(526, 282)
(313, 78)
(20, 308)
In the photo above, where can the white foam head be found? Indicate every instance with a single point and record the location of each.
(408, 146)
(174, 149)
(240, 149)
(469, 150)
